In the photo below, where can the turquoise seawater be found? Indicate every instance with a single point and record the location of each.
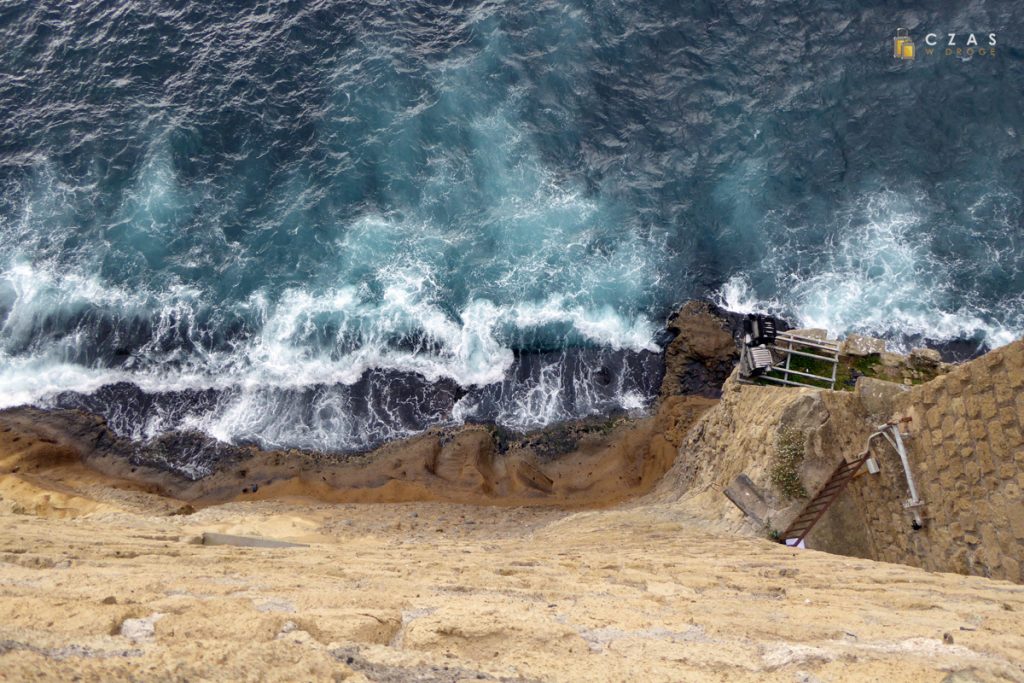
(327, 224)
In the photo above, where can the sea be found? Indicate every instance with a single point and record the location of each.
(325, 225)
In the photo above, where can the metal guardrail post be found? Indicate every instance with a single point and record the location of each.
(896, 441)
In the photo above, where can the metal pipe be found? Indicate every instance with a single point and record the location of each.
(831, 359)
(807, 341)
(914, 500)
(787, 382)
(789, 357)
(809, 375)
(896, 441)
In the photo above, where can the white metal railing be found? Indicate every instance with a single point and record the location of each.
(793, 340)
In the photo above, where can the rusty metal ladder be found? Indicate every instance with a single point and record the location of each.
(823, 500)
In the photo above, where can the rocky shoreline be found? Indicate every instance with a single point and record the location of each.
(587, 551)
(589, 462)
(586, 462)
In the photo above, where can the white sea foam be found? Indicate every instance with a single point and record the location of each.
(738, 295)
(284, 352)
(491, 251)
(878, 277)
(537, 403)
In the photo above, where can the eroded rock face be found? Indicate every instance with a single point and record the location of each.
(584, 463)
(860, 345)
(433, 592)
(740, 435)
(188, 456)
(702, 355)
(925, 358)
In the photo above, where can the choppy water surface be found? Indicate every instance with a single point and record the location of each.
(328, 224)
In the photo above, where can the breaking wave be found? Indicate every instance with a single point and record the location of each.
(877, 272)
(328, 225)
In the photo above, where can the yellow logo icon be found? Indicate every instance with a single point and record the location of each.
(902, 45)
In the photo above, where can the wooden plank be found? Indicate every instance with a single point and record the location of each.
(747, 498)
(211, 538)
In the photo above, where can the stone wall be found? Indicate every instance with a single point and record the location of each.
(967, 457)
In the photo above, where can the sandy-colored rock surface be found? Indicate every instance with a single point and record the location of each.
(104, 573)
(103, 584)
(584, 464)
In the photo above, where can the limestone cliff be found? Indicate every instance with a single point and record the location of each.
(106, 575)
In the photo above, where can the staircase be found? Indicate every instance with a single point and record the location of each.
(822, 501)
